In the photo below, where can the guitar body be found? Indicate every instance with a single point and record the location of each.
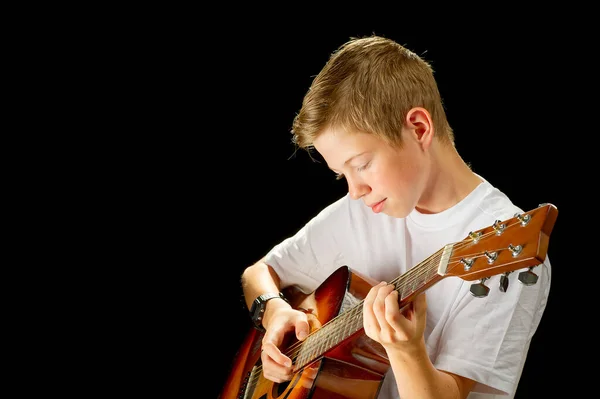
(353, 369)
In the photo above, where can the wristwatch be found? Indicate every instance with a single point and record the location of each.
(257, 310)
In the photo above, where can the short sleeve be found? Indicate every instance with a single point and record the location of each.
(307, 258)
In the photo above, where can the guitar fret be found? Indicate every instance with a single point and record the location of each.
(420, 280)
(322, 344)
(315, 347)
(311, 350)
(345, 325)
(330, 339)
(300, 357)
(352, 326)
(431, 273)
(403, 291)
(303, 349)
(335, 338)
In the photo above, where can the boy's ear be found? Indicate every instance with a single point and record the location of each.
(420, 123)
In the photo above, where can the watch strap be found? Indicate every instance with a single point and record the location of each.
(257, 310)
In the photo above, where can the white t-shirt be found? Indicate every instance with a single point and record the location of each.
(485, 339)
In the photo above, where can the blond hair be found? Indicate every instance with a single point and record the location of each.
(368, 85)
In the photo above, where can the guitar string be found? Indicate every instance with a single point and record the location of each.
(430, 264)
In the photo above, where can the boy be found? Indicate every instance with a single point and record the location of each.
(375, 115)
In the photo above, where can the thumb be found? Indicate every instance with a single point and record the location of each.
(302, 328)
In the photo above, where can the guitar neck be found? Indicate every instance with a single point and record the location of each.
(418, 279)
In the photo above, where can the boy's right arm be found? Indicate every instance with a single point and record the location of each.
(259, 279)
(278, 319)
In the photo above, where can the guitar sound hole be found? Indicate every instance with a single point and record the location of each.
(280, 388)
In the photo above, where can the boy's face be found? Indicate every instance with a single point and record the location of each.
(386, 178)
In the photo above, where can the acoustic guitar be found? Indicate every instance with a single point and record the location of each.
(337, 360)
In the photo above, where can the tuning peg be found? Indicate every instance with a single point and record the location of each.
(515, 251)
(499, 227)
(528, 277)
(475, 236)
(523, 218)
(479, 290)
(504, 281)
(491, 256)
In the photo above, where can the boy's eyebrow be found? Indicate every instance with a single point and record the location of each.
(350, 159)
(354, 156)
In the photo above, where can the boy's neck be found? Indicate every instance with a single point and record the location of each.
(450, 181)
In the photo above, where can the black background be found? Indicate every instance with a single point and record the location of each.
(234, 186)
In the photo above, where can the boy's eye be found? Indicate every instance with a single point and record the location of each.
(363, 167)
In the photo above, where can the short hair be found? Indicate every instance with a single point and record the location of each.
(368, 85)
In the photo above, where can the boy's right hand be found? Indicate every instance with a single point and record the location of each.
(280, 321)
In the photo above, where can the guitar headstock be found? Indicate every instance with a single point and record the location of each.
(506, 246)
